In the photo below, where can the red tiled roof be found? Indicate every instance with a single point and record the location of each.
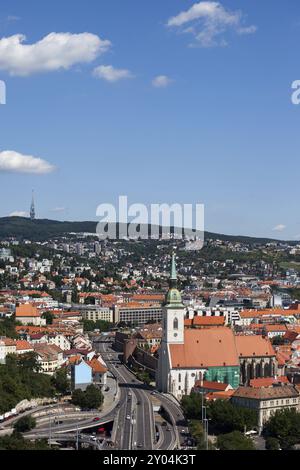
(96, 365)
(253, 345)
(208, 321)
(206, 347)
(267, 382)
(265, 393)
(224, 395)
(23, 345)
(218, 386)
(27, 310)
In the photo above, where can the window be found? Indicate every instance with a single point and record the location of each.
(175, 323)
(179, 377)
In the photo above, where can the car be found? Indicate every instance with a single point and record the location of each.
(128, 417)
(164, 424)
(138, 402)
(93, 438)
(140, 445)
(251, 433)
(153, 393)
(96, 418)
(133, 381)
(168, 428)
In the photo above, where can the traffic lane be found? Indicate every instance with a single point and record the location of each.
(142, 440)
(173, 409)
(123, 435)
(73, 426)
(144, 414)
(177, 416)
(145, 417)
(122, 440)
(144, 411)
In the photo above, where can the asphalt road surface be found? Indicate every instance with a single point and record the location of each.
(139, 432)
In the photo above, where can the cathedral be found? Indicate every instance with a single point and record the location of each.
(212, 354)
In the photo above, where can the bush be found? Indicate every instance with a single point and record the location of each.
(234, 441)
(272, 443)
(25, 424)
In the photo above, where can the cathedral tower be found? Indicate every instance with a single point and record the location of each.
(173, 311)
(173, 329)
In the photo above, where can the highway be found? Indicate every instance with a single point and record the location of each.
(135, 420)
(132, 413)
(139, 432)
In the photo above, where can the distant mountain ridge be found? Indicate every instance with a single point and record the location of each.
(42, 229)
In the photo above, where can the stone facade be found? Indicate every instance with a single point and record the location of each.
(255, 368)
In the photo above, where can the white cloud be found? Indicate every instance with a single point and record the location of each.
(161, 81)
(279, 228)
(19, 214)
(18, 163)
(111, 74)
(55, 51)
(207, 20)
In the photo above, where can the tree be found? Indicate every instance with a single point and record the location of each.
(26, 423)
(8, 327)
(234, 441)
(102, 325)
(29, 361)
(19, 380)
(284, 425)
(144, 377)
(91, 398)
(48, 316)
(272, 443)
(191, 405)
(277, 340)
(225, 417)
(17, 442)
(196, 430)
(61, 382)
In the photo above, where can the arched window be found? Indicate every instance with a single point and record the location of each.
(175, 324)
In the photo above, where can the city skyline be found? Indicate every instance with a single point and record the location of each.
(209, 119)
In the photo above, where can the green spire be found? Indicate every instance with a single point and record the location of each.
(173, 297)
(173, 276)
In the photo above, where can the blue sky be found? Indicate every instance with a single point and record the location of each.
(219, 130)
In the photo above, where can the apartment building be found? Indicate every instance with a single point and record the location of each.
(94, 313)
(137, 314)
